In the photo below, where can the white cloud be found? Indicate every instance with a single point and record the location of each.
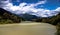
(58, 9)
(29, 8)
(40, 2)
(22, 4)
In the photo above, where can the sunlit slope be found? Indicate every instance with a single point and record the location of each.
(26, 28)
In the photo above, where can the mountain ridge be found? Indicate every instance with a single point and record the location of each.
(6, 15)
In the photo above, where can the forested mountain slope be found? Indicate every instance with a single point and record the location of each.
(52, 20)
(8, 17)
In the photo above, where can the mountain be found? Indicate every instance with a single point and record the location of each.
(8, 17)
(16, 17)
(54, 20)
(28, 17)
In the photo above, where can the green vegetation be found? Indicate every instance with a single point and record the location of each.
(53, 20)
(58, 29)
(7, 17)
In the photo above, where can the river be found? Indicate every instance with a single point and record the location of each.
(27, 28)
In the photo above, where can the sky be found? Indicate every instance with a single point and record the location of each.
(40, 8)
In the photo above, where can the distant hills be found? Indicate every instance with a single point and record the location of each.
(28, 17)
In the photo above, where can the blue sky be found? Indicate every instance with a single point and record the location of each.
(50, 4)
(40, 8)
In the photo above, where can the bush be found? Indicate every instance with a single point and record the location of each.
(58, 29)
